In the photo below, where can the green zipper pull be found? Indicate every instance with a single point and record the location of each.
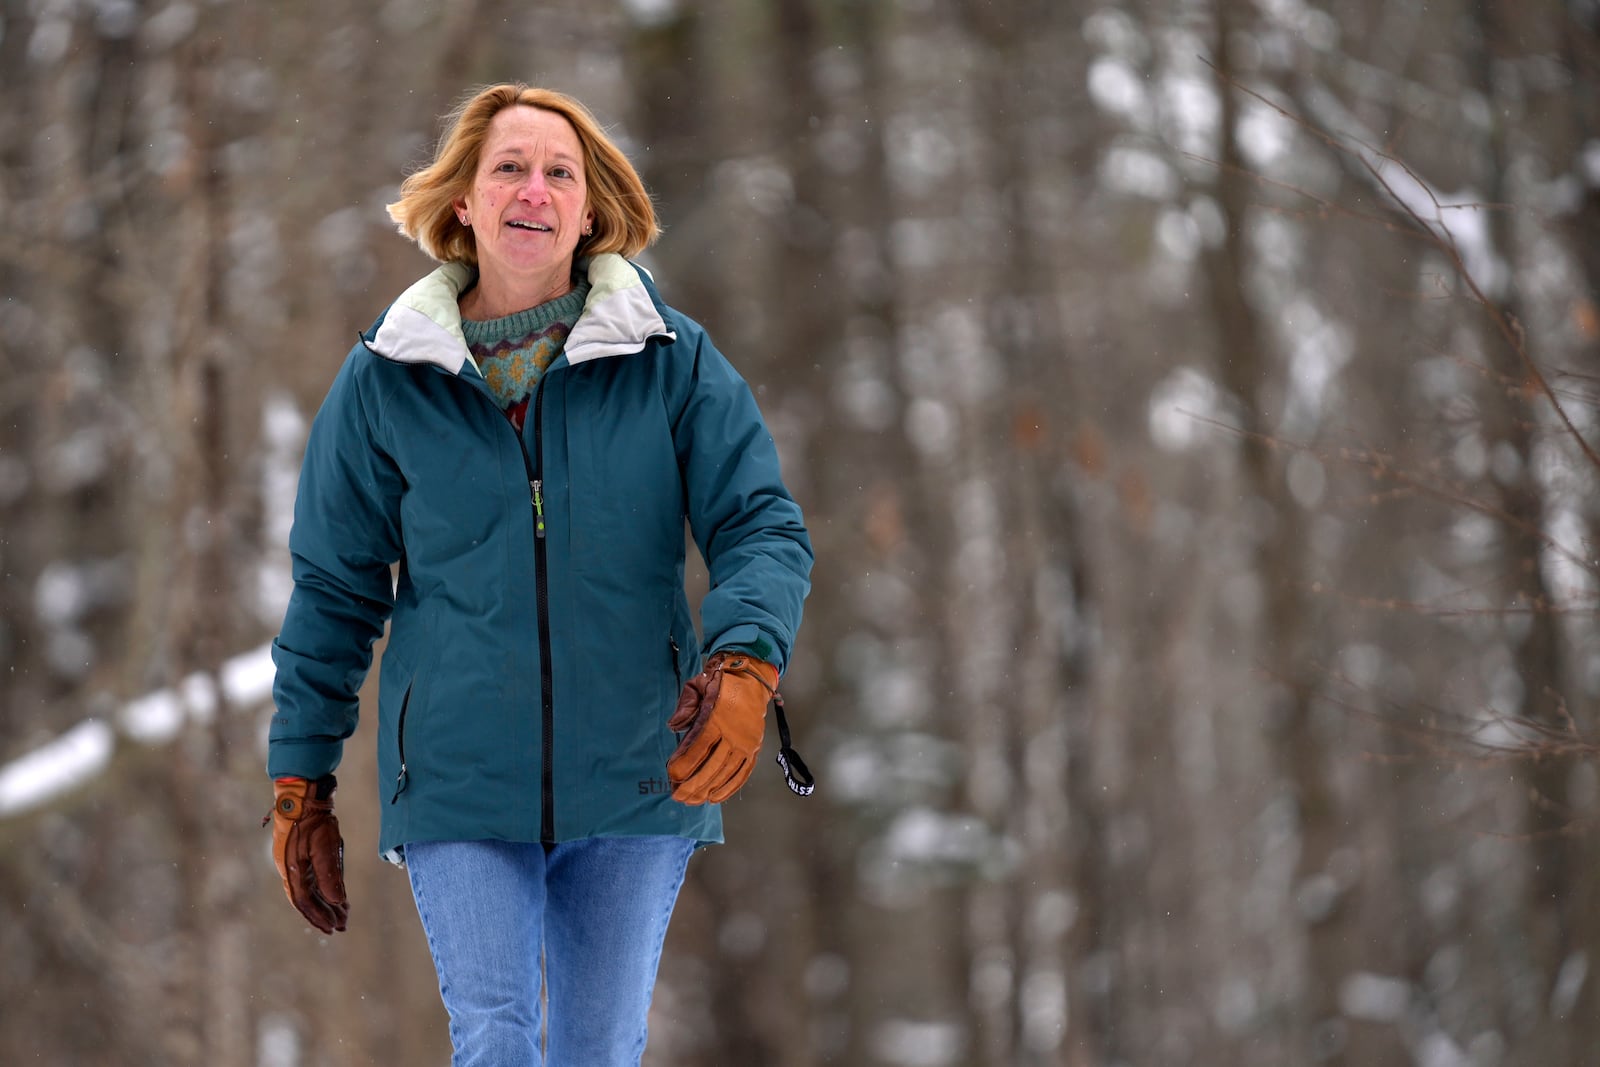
(538, 507)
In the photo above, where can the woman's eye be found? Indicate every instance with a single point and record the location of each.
(506, 168)
(560, 172)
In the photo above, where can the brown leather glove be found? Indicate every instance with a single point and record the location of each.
(308, 850)
(722, 713)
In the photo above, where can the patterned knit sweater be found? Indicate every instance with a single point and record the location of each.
(513, 351)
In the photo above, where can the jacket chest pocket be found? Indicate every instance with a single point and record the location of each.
(626, 490)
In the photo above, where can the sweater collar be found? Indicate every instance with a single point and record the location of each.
(424, 324)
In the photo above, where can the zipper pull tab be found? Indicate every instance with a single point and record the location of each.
(538, 507)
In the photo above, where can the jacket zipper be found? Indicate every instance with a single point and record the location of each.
(547, 708)
(401, 780)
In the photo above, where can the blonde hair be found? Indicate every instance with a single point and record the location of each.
(624, 218)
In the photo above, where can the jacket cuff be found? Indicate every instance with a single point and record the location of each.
(751, 640)
(310, 760)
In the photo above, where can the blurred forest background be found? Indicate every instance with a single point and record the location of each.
(1194, 406)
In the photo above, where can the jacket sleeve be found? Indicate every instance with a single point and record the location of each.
(345, 536)
(748, 528)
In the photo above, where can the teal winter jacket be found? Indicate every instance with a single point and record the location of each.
(539, 628)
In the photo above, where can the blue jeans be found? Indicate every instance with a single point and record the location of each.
(596, 910)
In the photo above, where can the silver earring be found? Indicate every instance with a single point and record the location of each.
(588, 231)
(464, 220)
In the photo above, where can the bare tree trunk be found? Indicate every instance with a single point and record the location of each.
(1334, 945)
(1563, 938)
(213, 811)
(1024, 995)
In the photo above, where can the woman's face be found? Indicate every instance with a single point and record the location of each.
(528, 204)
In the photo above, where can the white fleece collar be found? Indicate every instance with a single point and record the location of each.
(424, 324)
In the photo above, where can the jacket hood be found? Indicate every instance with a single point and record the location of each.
(424, 324)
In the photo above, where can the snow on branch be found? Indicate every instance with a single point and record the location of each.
(1457, 219)
(82, 753)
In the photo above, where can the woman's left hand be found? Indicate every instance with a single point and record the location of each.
(722, 713)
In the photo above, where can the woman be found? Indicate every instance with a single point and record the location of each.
(524, 432)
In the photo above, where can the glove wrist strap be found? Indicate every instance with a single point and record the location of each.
(795, 772)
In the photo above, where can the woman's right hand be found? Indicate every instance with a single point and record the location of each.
(308, 850)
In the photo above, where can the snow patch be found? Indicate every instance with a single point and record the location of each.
(1191, 103)
(84, 751)
(1569, 982)
(1265, 136)
(915, 1043)
(157, 717)
(1438, 1050)
(56, 767)
(1044, 1010)
(1180, 406)
(651, 13)
(1374, 997)
(1459, 220)
(1118, 89)
(1591, 163)
(1139, 172)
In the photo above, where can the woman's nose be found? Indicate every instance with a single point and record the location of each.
(535, 188)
